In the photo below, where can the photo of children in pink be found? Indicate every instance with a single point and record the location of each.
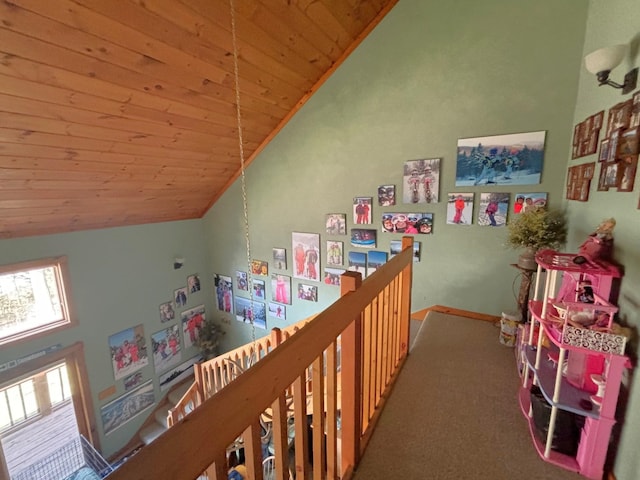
(421, 181)
(493, 209)
(192, 321)
(306, 255)
(281, 288)
(128, 351)
(277, 311)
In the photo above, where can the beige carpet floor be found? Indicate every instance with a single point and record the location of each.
(454, 413)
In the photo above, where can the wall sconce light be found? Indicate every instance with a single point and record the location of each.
(602, 61)
(178, 262)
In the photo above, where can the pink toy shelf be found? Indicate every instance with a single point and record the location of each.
(570, 354)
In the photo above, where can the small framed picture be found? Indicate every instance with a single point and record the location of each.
(307, 292)
(258, 289)
(277, 311)
(612, 175)
(628, 167)
(628, 143)
(334, 253)
(242, 281)
(386, 195)
(180, 296)
(193, 283)
(259, 267)
(635, 110)
(280, 258)
(602, 178)
(604, 150)
(362, 210)
(613, 145)
(336, 224)
(597, 120)
(167, 313)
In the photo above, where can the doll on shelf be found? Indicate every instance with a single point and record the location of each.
(599, 244)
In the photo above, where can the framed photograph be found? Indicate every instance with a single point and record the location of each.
(281, 288)
(375, 259)
(193, 283)
(363, 238)
(460, 208)
(421, 181)
(386, 195)
(407, 223)
(248, 311)
(259, 267)
(604, 150)
(628, 166)
(635, 110)
(192, 321)
(224, 292)
(242, 280)
(602, 179)
(598, 119)
(125, 408)
(132, 381)
(128, 351)
(614, 138)
(180, 296)
(165, 346)
(258, 289)
(528, 200)
(167, 313)
(307, 292)
(500, 159)
(280, 258)
(334, 253)
(395, 247)
(362, 210)
(358, 262)
(493, 209)
(332, 276)
(628, 143)
(612, 175)
(306, 255)
(277, 311)
(336, 224)
(179, 373)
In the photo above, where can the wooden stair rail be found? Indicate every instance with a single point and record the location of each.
(198, 442)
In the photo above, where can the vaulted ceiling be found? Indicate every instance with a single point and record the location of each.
(123, 112)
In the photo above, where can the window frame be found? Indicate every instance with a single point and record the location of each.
(69, 320)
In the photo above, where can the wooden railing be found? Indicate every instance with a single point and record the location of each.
(336, 414)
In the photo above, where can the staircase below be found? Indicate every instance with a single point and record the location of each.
(149, 433)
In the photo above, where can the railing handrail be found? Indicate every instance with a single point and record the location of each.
(235, 407)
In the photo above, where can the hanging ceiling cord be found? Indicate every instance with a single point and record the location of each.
(245, 203)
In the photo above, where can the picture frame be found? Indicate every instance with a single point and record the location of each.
(332, 276)
(526, 200)
(612, 174)
(179, 373)
(386, 195)
(613, 145)
(259, 267)
(363, 237)
(248, 311)
(167, 312)
(635, 110)
(259, 289)
(192, 321)
(307, 292)
(460, 208)
(128, 351)
(336, 224)
(166, 348)
(242, 280)
(498, 159)
(180, 296)
(125, 408)
(602, 178)
(395, 247)
(193, 283)
(604, 150)
(493, 209)
(224, 292)
(277, 310)
(628, 166)
(281, 288)
(375, 259)
(408, 223)
(357, 262)
(280, 258)
(628, 142)
(335, 255)
(421, 181)
(306, 255)
(362, 210)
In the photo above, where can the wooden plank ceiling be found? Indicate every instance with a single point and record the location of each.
(122, 112)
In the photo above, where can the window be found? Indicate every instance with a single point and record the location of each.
(33, 299)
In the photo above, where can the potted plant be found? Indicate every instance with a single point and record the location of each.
(209, 337)
(535, 229)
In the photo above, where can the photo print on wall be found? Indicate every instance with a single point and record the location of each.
(281, 289)
(336, 224)
(527, 200)
(128, 351)
(251, 312)
(277, 311)
(493, 209)
(375, 259)
(334, 253)
(395, 247)
(386, 195)
(407, 223)
(126, 407)
(259, 267)
(358, 263)
(460, 208)
(512, 159)
(421, 181)
(280, 258)
(193, 283)
(242, 280)
(306, 255)
(165, 346)
(192, 321)
(363, 238)
(362, 210)
(180, 296)
(307, 292)
(167, 313)
(224, 292)
(332, 276)
(258, 289)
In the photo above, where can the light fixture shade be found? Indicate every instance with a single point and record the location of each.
(605, 59)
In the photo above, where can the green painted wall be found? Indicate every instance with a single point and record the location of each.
(609, 23)
(430, 73)
(119, 277)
